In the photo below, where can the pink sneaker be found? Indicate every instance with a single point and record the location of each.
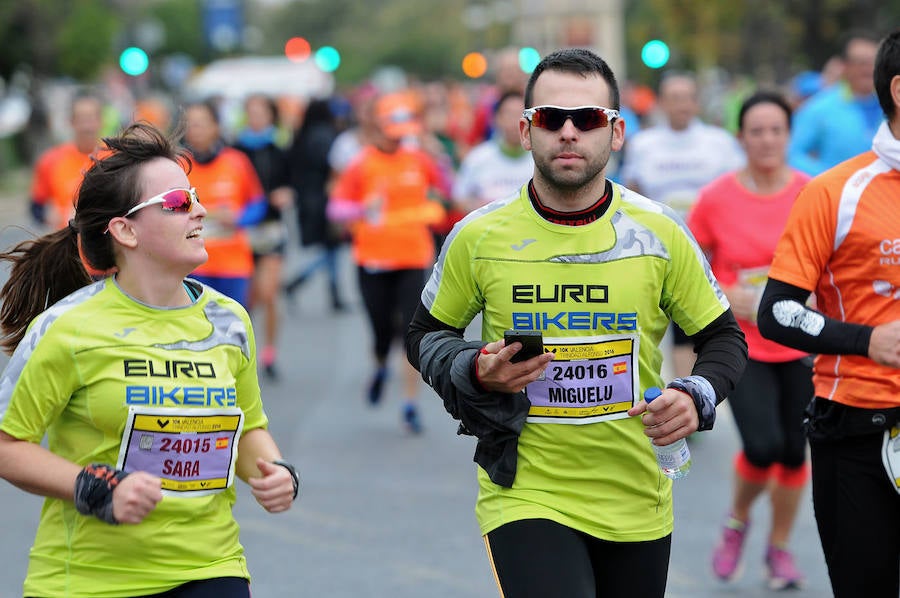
(726, 560)
(783, 573)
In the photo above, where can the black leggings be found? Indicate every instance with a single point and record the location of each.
(218, 587)
(391, 298)
(768, 404)
(858, 516)
(540, 558)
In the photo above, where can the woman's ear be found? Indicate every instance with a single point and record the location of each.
(122, 230)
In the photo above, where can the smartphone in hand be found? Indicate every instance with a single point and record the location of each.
(532, 343)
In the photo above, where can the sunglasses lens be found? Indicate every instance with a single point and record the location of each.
(549, 118)
(177, 200)
(589, 118)
(584, 119)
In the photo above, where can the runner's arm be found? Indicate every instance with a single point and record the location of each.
(721, 357)
(784, 318)
(35, 469)
(721, 354)
(447, 364)
(255, 444)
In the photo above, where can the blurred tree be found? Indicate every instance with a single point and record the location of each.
(768, 39)
(182, 22)
(84, 40)
(426, 39)
(27, 35)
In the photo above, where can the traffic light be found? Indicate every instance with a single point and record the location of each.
(528, 59)
(133, 61)
(328, 59)
(297, 49)
(655, 53)
(474, 65)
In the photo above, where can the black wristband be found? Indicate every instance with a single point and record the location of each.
(94, 489)
(295, 477)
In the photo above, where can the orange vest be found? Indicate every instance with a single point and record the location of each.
(394, 190)
(57, 176)
(227, 183)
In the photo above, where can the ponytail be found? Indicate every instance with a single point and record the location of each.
(44, 270)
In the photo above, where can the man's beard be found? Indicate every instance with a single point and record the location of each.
(569, 180)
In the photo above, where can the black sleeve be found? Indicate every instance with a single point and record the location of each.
(421, 324)
(38, 212)
(784, 318)
(281, 172)
(721, 354)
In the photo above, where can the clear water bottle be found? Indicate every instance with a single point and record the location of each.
(674, 459)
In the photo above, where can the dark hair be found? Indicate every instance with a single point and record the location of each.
(764, 97)
(578, 61)
(502, 99)
(85, 95)
(269, 101)
(209, 105)
(887, 66)
(318, 111)
(46, 269)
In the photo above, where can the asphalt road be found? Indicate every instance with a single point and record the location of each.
(386, 514)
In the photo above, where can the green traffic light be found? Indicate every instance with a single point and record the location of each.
(133, 61)
(528, 59)
(655, 53)
(328, 59)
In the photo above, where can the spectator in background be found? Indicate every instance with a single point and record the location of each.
(268, 238)
(672, 161)
(839, 122)
(498, 167)
(350, 142)
(59, 170)
(234, 200)
(737, 221)
(311, 177)
(386, 197)
(507, 75)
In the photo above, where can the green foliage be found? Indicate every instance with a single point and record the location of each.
(426, 39)
(78, 38)
(84, 41)
(183, 25)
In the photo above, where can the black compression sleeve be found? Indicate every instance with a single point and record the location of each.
(785, 318)
(721, 354)
(421, 324)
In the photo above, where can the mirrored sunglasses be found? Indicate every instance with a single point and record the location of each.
(585, 118)
(174, 200)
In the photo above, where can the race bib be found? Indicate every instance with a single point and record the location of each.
(591, 379)
(755, 278)
(193, 451)
(890, 455)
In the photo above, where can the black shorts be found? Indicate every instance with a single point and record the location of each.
(218, 587)
(857, 508)
(539, 558)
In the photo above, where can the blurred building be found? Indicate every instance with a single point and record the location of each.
(595, 24)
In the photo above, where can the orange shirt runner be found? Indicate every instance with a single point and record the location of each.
(228, 183)
(57, 176)
(842, 241)
(393, 190)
